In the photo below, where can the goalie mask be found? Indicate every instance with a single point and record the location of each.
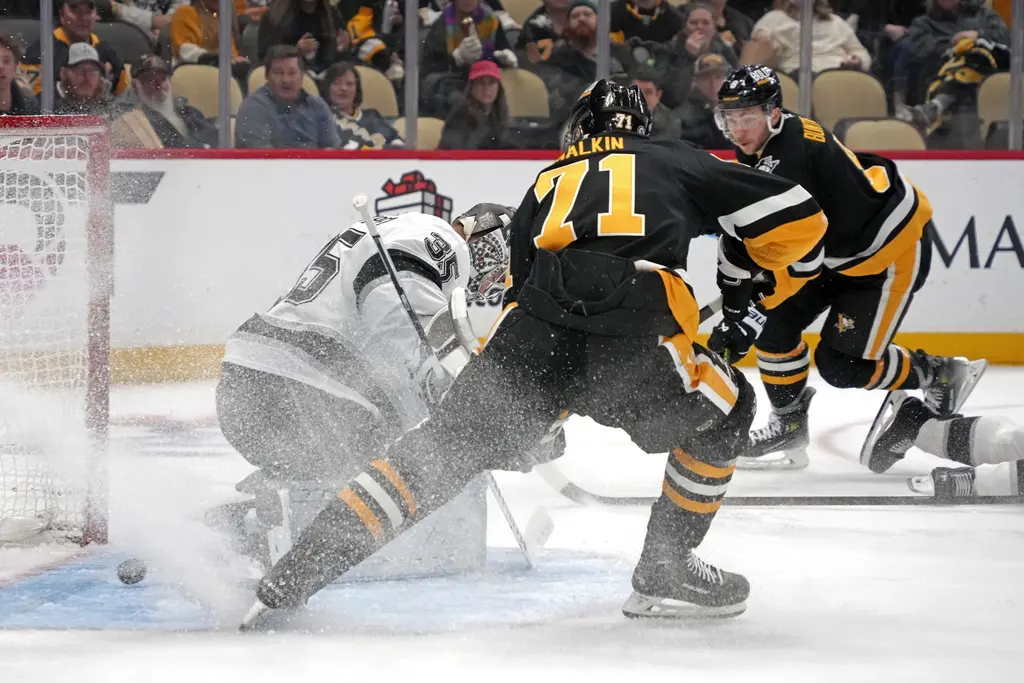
(485, 228)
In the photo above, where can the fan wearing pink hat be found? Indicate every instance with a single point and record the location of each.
(480, 119)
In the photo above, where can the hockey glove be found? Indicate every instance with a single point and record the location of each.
(732, 339)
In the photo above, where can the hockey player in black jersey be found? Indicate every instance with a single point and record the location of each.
(598, 321)
(877, 253)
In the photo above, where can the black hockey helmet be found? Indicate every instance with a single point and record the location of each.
(606, 107)
(754, 85)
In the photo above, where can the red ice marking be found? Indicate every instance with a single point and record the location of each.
(44, 567)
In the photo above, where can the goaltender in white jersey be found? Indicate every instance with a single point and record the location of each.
(331, 373)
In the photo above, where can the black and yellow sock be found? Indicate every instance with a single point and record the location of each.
(784, 374)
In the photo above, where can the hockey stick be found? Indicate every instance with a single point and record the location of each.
(540, 526)
(554, 477)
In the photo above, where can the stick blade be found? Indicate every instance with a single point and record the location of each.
(538, 531)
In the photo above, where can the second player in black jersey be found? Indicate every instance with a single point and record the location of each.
(877, 254)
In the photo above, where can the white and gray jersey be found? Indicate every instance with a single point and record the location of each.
(342, 327)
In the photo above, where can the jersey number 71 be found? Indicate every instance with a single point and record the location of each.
(620, 220)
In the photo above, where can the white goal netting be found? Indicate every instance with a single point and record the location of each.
(49, 341)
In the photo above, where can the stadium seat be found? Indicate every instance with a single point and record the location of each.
(843, 93)
(200, 85)
(25, 31)
(378, 93)
(790, 91)
(994, 99)
(127, 39)
(883, 135)
(520, 10)
(428, 131)
(526, 94)
(258, 78)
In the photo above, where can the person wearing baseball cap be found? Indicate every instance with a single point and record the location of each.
(81, 87)
(480, 120)
(698, 111)
(77, 21)
(173, 121)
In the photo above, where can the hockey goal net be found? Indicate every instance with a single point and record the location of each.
(56, 255)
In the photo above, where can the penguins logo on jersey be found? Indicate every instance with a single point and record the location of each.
(768, 164)
(844, 323)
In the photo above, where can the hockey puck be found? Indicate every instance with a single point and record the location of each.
(131, 571)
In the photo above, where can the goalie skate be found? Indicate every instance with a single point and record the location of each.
(893, 431)
(786, 435)
(945, 484)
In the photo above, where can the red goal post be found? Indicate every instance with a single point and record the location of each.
(56, 280)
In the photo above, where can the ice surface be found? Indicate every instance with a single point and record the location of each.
(838, 594)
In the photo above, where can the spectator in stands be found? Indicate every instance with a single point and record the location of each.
(835, 45)
(881, 28)
(81, 87)
(195, 38)
(14, 100)
(573, 63)
(733, 26)
(674, 61)
(971, 41)
(932, 35)
(700, 35)
(152, 16)
(430, 11)
(666, 122)
(77, 20)
(480, 121)
(172, 120)
(698, 112)
(466, 32)
(281, 114)
(646, 20)
(312, 26)
(359, 128)
(542, 29)
(368, 24)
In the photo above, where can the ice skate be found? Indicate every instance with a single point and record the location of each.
(949, 381)
(271, 609)
(687, 588)
(893, 432)
(946, 484)
(786, 432)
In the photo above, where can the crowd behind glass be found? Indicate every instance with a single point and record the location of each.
(501, 74)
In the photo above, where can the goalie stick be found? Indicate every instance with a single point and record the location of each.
(550, 472)
(539, 527)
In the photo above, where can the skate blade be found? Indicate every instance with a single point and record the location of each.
(923, 484)
(640, 606)
(261, 618)
(793, 459)
(886, 414)
(975, 369)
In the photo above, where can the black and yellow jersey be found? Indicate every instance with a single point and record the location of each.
(874, 213)
(643, 201)
(113, 66)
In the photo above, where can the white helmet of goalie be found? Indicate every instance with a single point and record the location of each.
(485, 227)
